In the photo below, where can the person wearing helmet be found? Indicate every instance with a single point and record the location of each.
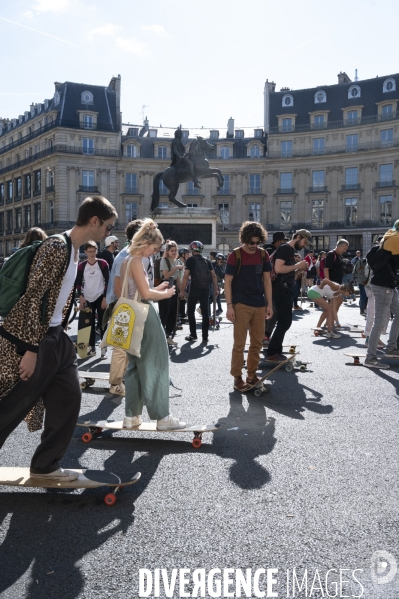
(108, 253)
(184, 254)
(220, 268)
(202, 275)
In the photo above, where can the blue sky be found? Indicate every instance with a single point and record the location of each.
(191, 63)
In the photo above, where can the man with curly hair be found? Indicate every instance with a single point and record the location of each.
(248, 288)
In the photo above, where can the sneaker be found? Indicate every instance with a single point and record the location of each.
(391, 353)
(381, 344)
(131, 421)
(266, 340)
(337, 325)
(60, 475)
(170, 341)
(191, 338)
(239, 384)
(374, 363)
(205, 340)
(332, 335)
(277, 358)
(170, 423)
(104, 352)
(117, 389)
(91, 352)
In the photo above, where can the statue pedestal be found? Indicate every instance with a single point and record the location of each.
(185, 225)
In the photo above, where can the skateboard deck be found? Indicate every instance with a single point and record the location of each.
(149, 427)
(296, 364)
(259, 388)
(84, 328)
(91, 377)
(291, 348)
(88, 479)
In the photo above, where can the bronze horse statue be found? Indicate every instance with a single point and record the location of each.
(180, 172)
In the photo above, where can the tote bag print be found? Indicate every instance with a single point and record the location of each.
(121, 327)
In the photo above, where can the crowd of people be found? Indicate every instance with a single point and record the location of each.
(261, 284)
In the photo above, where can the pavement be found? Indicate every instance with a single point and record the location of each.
(296, 495)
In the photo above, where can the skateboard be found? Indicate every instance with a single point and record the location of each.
(91, 377)
(259, 387)
(296, 364)
(291, 348)
(88, 479)
(319, 331)
(84, 329)
(150, 427)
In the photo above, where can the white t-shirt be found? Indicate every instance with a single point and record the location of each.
(66, 288)
(326, 292)
(93, 282)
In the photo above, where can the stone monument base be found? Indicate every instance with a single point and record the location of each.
(185, 225)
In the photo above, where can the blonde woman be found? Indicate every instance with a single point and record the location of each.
(147, 377)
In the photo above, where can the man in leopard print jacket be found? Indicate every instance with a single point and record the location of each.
(38, 357)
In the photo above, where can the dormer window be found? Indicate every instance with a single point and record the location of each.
(214, 134)
(354, 92)
(389, 85)
(56, 98)
(258, 132)
(86, 97)
(26, 115)
(39, 109)
(320, 97)
(20, 118)
(239, 133)
(185, 134)
(153, 133)
(133, 132)
(288, 100)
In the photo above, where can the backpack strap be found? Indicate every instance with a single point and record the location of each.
(238, 260)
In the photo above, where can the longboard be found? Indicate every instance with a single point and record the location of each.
(91, 377)
(356, 358)
(84, 328)
(88, 479)
(149, 427)
(291, 348)
(296, 364)
(259, 387)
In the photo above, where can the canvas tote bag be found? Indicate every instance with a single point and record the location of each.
(126, 326)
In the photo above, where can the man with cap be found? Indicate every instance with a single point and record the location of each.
(107, 254)
(278, 238)
(283, 289)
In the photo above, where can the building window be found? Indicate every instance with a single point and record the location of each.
(88, 122)
(286, 182)
(162, 152)
(386, 137)
(318, 180)
(9, 191)
(224, 211)
(214, 134)
(38, 214)
(285, 215)
(351, 212)
(254, 152)
(318, 145)
(239, 133)
(1, 230)
(224, 152)
(185, 134)
(389, 85)
(50, 180)
(254, 212)
(18, 220)
(286, 149)
(37, 182)
(287, 100)
(354, 92)
(254, 184)
(351, 178)
(88, 145)
(51, 212)
(258, 133)
(163, 205)
(131, 183)
(131, 151)
(386, 210)
(27, 186)
(225, 189)
(9, 220)
(319, 121)
(352, 142)
(387, 111)
(318, 214)
(2, 194)
(191, 190)
(286, 125)
(320, 97)
(152, 133)
(321, 242)
(386, 174)
(131, 211)
(192, 205)
(352, 117)
(86, 97)
(163, 190)
(18, 188)
(88, 180)
(27, 219)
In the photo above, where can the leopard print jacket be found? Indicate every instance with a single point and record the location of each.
(24, 328)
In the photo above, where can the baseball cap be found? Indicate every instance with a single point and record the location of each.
(279, 236)
(307, 234)
(110, 239)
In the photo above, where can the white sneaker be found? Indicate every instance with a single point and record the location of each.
(118, 389)
(131, 421)
(170, 423)
(104, 352)
(60, 475)
(199, 311)
(170, 341)
(332, 335)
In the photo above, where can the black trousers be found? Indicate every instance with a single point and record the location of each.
(56, 380)
(96, 307)
(168, 315)
(201, 296)
(282, 304)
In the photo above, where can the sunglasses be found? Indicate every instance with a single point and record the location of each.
(253, 243)
(108, 227)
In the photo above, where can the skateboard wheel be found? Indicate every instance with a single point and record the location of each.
(302, 368)
(316, 333)
(292, 350)
(196, 442)
(257, 392)
(83, 385)
(87, 437)
(288, 367)
(217, 327)
(110, 499)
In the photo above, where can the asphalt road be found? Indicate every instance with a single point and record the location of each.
(304, 478)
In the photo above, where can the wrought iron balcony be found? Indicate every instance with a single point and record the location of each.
(50, 188)
(17, 198)
(37, 192)
(391, 183)
(350, 186)
(365, 120)
(318, 189)
(285, 190)
(8, 231)
(27, 195)
(89, 188)
(224, 191)
(254, 190)
(132, 190)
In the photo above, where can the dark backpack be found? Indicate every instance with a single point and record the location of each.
(360, 271)
(377, 258)
(201, 277)
(348, 266)
(14, 276)
(272, 258)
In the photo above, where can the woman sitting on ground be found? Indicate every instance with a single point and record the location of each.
(328, 290)
(147, 378)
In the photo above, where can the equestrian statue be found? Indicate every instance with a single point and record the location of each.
(185, 167)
